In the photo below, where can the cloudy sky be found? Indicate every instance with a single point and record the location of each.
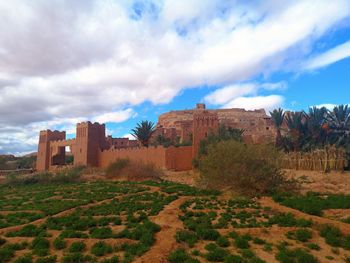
(120, 61)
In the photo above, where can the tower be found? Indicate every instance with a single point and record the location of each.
(43, 158)
(204, 124)
(90, 137)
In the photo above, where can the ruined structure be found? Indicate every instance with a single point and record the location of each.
(180, 125)
(92, 148)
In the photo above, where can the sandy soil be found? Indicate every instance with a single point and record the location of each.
(334, 182)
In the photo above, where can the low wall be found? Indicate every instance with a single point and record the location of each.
(155, 155)
(179, 158)
(172, 158)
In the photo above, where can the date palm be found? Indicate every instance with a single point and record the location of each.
(277, 116)
(143, 132)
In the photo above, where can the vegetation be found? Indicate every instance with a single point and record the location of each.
(143, 132)
(313, 203)
(248, 169)
(133, 170)
(314, 129)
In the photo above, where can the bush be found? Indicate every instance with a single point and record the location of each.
(186, 236)
(233, 259)
(296, 255)
(101, 232)
(100, 249)
(223, 242)
(59, 243)
(40, 246)
(24, 259)
(78, 246)
(113, 259)
(181, 256)
(249, 169)
(2, 241)
(303, 235)
(49, 259)
(216, 254)
(133, 170)
(6, 253)
(77, 257)
(241, 242)
(67, 175)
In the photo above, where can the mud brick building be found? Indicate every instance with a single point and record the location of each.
(92, 148)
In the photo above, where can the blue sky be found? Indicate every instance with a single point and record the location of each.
(120, 62)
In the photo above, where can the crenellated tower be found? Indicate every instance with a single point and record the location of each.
(204, 123)
(43, 160)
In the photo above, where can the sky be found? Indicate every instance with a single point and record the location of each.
(119, 62)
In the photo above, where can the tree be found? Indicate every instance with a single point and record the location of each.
(143, 132)
(297, 125)
(277, 116)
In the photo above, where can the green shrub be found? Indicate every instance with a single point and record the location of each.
(249, 169)
(72, 234)
(216, 254)
(303, 235)
(101, 232)
(186, 236)
(101, 248)
(332, 235)
(77, 257)
(258, 241)
(40, 246)
(49, 259)
(285, 255)
(241, 242)
(24, 259)
(233, 259)
(6, 253)
(313, 246)
(78, 246)
(59, 243)
(207, 233)
(114, 259)
(28, 231)
(181, 256)
(288, 220)
(223, 241)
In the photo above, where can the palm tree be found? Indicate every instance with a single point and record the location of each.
(297, 125)
(143, 132)
(277, 116)
(339, 124)
(316, 120)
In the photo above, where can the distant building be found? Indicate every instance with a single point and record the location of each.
(92, 148)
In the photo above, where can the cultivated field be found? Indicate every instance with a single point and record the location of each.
(166, 222)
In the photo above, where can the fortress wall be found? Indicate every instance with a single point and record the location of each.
(172, 158)
(179, 158)
(155, 155)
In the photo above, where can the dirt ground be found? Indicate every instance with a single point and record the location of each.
(333, 182)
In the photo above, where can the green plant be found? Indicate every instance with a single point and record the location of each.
(59, 243)
(114, 259)
(285, 255)
(258, 241)
(216, 254)
(241, 242)
(77, 257)
(313, 246)
(77, 246)
(40, 246)
(186, 236)
(233, 259)
(49, 259)
(6, 253)
(180, 256)
(101, 232)
(143, 132)
(249, 169)
(101, 248)
(24, 259)
(223, 241)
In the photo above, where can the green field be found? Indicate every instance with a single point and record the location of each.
(114, 222)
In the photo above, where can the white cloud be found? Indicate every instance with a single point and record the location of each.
(329, 57)
(115, 117)
(259, 102)
(86, 59)
(226, 94)
(237, 95)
